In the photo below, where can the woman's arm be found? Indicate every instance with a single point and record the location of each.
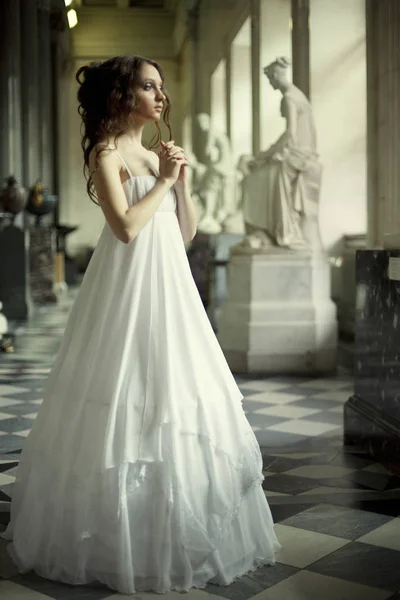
(125, 222)
(186, 211)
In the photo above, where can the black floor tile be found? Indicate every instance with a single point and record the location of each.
(388, 507)
(280, 512)
(60, 591)
(336, 520)
(364, 564)
(15, 424)
(325, 416)
(288, 484)
(375, 481)
(25, 408)
(253, 583)
(11, 443)
(7, 466)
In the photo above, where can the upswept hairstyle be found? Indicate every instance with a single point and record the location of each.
(107, 99)
(280, 63)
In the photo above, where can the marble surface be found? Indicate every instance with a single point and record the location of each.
(279, 317)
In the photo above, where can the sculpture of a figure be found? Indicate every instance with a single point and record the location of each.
(281, 185)
(214, 182)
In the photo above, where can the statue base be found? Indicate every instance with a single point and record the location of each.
(279, 317)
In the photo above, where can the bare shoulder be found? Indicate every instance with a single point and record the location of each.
(102, 155)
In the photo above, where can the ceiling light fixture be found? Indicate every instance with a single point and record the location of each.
(68, 2)
(72, 18)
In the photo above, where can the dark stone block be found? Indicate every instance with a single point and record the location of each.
(372, 415)
(14, 273)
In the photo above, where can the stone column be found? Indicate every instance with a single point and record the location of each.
(228, 90)
(10, 94)
(255, 72)
(30, 91)
(301, 44)
(383, 118)
(45, 94)
(193, 30)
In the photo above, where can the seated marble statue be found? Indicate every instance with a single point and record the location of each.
(281, 185)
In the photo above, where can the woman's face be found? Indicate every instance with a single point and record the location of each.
(149, 94)
(273, 78)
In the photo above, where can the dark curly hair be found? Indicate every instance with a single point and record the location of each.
(106, 99)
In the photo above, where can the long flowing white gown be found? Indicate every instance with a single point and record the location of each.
(141, 470)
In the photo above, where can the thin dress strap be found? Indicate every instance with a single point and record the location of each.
(124, 163)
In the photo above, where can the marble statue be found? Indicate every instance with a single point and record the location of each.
(214, 182)
(3, 322)
(280, 186)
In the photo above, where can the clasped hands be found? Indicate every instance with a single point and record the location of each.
(173, 161)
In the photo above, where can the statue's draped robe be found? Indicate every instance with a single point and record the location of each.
(287, 186)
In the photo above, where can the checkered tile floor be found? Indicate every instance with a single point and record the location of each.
(336, 511)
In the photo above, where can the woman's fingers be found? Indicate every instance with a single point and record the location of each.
(169, 146)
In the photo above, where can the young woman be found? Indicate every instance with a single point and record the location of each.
(141, 470)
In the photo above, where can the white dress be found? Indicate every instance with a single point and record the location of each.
(141, 470)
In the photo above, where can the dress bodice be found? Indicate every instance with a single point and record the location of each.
(137, 186)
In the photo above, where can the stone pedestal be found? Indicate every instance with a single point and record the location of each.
(279, 316)
(14, 273)
(200, 257)
(347, 301)
(372, 415)
(41, 261)
(221, 245)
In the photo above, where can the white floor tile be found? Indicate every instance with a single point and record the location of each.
(301, 548)
(303, 427)
(298, 455)
(305, 585)
(262, 386)
(6, 402)
(13, 591)
(337, 409)
(6, 416)
(288, 411)
(387, 535)
(6, 390)
(322, 489)
(272, 398)
(6, 479)
(326, 384)
(320, 471)
(335, 395)
(192, 595)
(23, 434)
